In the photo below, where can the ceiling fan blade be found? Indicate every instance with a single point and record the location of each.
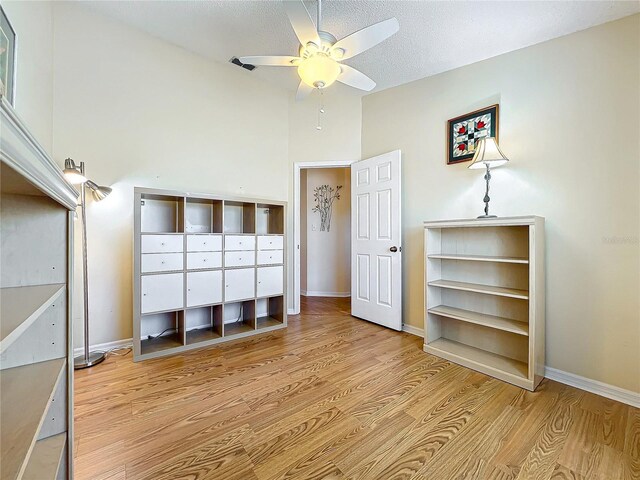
(303, 92)
(355, 78)
(366, 38)
(301, 22)
(270, 60)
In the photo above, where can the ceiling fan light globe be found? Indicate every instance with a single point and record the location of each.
(319, 70)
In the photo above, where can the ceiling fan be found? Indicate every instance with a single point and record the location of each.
(319, 62)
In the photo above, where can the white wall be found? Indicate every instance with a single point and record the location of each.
(33, 23)
(327, 254)
(569, 116)
(141, 112)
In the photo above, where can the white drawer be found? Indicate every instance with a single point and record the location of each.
(200, 260)
(162, 292)
(270, 257)
(204, 243)
(161, 243)
(161, 262)
(239, 259)
(270, 281)
(239, 284)
(239, 242)
(270, 242)
(204, 288)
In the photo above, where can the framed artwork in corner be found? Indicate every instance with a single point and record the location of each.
(463, 133)
(7, 58)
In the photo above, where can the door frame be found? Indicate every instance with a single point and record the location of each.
(297, 170)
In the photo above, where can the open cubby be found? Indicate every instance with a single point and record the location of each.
(161, 214)
(203, 324)
(490, 243)
(270, 219)
(269, 312)
(485, 296)
(239, 317)
(203, 215)
(167, 330)
(239, 217)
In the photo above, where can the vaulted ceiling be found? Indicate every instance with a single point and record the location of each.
(434, 36)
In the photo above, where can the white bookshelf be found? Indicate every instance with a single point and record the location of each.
(207, 269)
(36, 348)
(485, 296)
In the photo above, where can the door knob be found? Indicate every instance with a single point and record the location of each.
(393, 249)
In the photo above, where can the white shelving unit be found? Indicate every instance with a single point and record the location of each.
(36, 349)
(207, 269)
(485, 296)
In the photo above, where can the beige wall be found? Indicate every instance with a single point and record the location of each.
(569, 116)
(326, 263)
(141, 112)
(339, 139)
(33, 23)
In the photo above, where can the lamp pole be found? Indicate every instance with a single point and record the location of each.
(486, 199)
(89, 359)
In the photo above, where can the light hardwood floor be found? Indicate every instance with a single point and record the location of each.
(334, 397)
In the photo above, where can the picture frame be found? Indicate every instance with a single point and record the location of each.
(7, 58)
(464, 131)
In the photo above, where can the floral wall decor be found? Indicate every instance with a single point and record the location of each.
(324, 196)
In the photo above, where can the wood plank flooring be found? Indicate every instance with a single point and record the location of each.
(334, 397)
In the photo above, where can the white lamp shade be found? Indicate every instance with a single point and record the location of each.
(488, 153)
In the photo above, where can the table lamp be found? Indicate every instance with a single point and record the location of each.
(488, 154)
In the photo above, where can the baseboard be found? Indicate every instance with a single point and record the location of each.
(104, 347)
(326, 294)
(594, 386)
(418, 332)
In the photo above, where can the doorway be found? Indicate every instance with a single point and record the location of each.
(322, 233)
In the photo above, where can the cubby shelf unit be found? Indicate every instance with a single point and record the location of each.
(207, 269)
(36, 346)
(485, 296)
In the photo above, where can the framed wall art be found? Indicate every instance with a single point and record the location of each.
(7, 58)
(463, 133)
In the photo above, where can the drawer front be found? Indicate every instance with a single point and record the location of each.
(239, 284)
(161, 262)
(201, 260)
(204, 243)
(270, 242)
(161, 243)
(162, 292)
(239, 259)
(270, 281)
(204, 288)
(239, 242)
(270, 257)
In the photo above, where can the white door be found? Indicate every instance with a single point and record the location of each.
(376, 240)
(162, 292)
(204, 288)
(270, 281)
(240, 284)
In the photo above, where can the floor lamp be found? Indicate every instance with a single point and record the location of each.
(75, 174)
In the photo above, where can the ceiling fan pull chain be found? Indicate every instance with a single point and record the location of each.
(320, 111)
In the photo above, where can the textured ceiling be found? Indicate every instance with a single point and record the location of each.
(434, 36)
